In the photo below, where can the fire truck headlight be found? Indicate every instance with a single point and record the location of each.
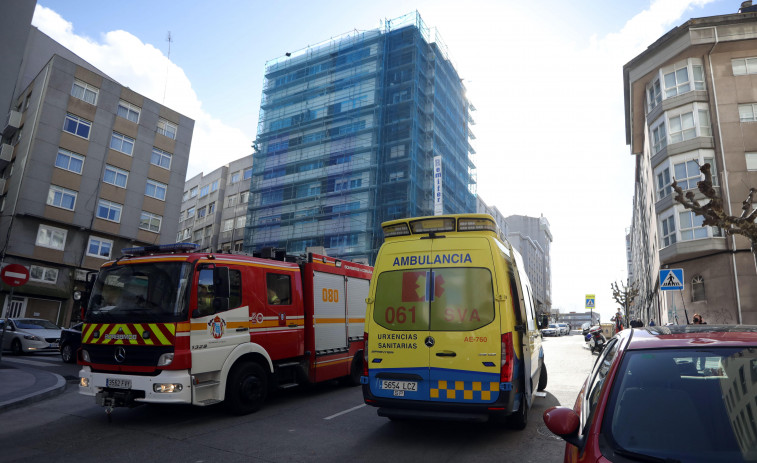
(85, 355)
(84, 382)
(160, 388)
(165, 360)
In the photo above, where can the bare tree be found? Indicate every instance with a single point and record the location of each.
(624, 295)
(713, 212)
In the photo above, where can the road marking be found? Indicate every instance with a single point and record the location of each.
(345, 411)
(32, 362)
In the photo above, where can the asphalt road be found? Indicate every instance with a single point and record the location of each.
(327, 422)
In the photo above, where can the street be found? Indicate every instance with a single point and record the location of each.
(327, 422)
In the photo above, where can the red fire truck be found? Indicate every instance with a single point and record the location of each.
(167, 324)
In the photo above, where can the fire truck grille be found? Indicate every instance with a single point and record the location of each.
(127, 355)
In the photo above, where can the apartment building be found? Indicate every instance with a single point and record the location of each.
(214, 207)
(532, 237)
(363, 128)
(690, 99)
(88, 167)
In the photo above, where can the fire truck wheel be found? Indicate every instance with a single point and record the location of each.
(356, 371)
(246, 389)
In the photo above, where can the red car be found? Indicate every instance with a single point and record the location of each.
(670, 394)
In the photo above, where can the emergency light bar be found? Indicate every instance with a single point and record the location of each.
(479, 222)
(161, 248)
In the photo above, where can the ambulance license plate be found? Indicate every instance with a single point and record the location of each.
(118, 383)
(399, 385)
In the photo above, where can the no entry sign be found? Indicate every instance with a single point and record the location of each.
(14, 274)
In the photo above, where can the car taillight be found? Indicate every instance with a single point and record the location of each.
(508, 356)
(365, 354)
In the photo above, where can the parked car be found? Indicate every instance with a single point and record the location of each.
(564, 328)
(551, 330)
(70, 341)
(23, 335)
(666, 393)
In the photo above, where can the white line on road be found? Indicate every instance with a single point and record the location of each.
(345, 411)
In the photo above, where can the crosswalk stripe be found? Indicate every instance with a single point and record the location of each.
(51, 363)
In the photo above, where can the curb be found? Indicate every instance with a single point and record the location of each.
(56, 389)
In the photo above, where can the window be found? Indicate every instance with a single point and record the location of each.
(748, 112)
(744, 66)
(248, 173)
(61, 197)
(51, 237)
(654, 95)
(186, 196)
(204, 191)
(704, 123)
(193, 192)
(191, 212)
(214, 186)
(167, 128)
(162, 159)
(687, 174)
(77, 126)
(43, 274)
(235, 177)
(244, 196)
(156, 190)
(69, 161)
(128, 111)
(231, 201)
(343, 240)
(751, 161)
(211, 208)
(186, 234)
(679, 78)
(241, 221)
(115, 176)
(228, 225)
(209, 231)
(85, 92)
(668, 226)
(98, 247)
(691, 226)
(659, 138)
(682, 127)
(279, 288)
(664, 184)
(109, 210)
(697, 289)
(197, 236)
(201, 212)
(122, 143)
(150, 222)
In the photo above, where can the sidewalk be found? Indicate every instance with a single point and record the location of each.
(22, 384)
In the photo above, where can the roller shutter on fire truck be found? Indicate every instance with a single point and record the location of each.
(329, 312)
(357, 291)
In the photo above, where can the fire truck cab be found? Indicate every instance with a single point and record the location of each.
(166, 324)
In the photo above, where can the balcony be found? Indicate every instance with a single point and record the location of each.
(6, 155)
(12, 123)
(691, 249)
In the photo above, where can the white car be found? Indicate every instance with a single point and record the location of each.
(30, 335)
(564, 329)
(551, 330)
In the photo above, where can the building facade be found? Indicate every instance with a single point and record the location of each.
(214, 207)
(90, 168)
(532, 237)
(348, 134)
(690, 99)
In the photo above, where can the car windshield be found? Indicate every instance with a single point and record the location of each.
(693, 404)
(553, 326)
(35, 324)
(135, 293)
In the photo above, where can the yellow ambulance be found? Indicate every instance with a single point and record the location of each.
(451, 329)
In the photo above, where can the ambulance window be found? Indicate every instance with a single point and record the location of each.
(279, 289)
(406, 309)
(515, 296)
(463, 299)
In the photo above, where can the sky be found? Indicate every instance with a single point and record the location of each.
(545, 78)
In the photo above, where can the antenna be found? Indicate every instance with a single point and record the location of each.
(165, 86)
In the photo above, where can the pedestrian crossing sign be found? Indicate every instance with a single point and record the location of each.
(590, 301)
(671, 278)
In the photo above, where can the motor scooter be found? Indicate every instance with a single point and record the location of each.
(596, 339)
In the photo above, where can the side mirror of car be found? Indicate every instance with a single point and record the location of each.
(564, 422)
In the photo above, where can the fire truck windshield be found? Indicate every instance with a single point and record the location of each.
(140, 293)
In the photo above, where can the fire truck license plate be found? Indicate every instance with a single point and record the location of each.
(118, 383)
(400, 385)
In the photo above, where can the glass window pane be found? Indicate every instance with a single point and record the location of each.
(682, 75)
(680, 171)
(670, 80)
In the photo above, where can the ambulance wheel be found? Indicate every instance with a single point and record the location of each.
(519, 419)
(246, 389)
(542, 378)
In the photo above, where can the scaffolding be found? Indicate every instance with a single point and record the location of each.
(347, 133)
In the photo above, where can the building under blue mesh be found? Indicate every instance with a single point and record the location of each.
(347, 134)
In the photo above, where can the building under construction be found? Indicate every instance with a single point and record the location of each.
(348, 137)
